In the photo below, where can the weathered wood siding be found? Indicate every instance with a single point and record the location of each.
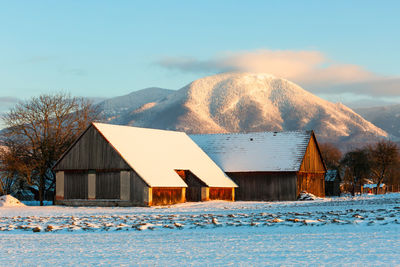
(313, 183)
(75, 185)
(264, 186)
(108, 185)
(92, 152)
(193, 191)
(167, 195)
(312, 161)
(311, 177)
(137, 188)
(221, 193)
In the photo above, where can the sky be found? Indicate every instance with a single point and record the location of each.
(343, 51)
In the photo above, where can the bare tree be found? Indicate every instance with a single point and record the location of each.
(7, 179)
(384, 156)
(357, 166)
(331, 155)
(39, 131)
(15, 167)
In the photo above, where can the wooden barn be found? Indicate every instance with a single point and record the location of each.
(332, 183)
(268, 165)
(111, 165)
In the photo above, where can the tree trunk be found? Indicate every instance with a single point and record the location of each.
(42, 181)
(377, 187)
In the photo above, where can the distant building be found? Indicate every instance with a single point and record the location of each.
(332, 183)
(127, 166)
(268, 165)
(371, 188)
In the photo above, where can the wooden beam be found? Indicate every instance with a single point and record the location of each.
(92, 185)
(148, 196)
(125, 185)
(205, 193)
(59, 185)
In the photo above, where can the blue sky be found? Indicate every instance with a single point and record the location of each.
(111, 48)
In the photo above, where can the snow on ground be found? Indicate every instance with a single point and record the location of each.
(360, 230)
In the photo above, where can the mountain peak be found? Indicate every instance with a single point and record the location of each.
(246, 102)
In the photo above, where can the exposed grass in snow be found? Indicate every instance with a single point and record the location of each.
(360, 230)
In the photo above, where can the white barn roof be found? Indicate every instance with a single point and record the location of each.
(156, 154)
(259, 151)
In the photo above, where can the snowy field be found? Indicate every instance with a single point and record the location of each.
(335, 231)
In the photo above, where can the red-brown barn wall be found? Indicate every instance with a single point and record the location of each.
(313, 183)
(167, 195)
(311, 177)
(221, 193)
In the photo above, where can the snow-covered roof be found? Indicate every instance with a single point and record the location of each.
(330, 175)
(373, 185)
(156, 154)
(259, 151)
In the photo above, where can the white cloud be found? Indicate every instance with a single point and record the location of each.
(311, 69)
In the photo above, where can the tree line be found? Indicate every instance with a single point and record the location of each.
(37, 132)
(378, 162)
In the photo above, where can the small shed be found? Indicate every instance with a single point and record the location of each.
(332, 183)
(268, 165)
(371, 189)
(112, 165)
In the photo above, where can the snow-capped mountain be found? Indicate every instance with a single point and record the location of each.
(385, 117)
(115, 109)
(245, 102)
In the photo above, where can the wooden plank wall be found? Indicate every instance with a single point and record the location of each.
(108, 185)
(75, 185)
(137, 188)
(167, 195)
(264, 186)
(220, 193)
(193, 194)
(311, 177)
(313, 183)
(92, 152)
(193, 191)
(312, 161)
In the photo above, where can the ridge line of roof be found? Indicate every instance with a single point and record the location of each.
(129, 126)
(294, 131)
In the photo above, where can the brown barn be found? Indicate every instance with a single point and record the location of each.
(268, 165)
(332, 183)
(128, 166)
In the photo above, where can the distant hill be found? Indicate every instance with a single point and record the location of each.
(385, 117)
(118, 108)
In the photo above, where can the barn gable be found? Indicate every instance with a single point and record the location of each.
(91, 151)
(312, 160)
